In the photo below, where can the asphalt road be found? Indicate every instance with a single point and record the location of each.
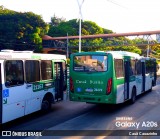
(60, 112)
(144, 115)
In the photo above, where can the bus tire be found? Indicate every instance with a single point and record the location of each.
(133, 97)
(46, 104)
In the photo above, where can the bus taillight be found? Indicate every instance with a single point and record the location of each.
(109, 86)
(71, 84)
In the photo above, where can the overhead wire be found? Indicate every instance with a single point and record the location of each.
(114, 2)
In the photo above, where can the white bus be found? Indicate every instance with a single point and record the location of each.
(29, 82)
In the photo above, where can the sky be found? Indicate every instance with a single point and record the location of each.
(120, 16)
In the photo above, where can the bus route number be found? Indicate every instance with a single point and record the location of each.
(97, 89)
(37, 87)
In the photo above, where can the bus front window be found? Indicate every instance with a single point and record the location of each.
(91, 63)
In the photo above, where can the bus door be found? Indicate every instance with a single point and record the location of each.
(0, 96)
(143, 76)
(59, 73)
(126, 80)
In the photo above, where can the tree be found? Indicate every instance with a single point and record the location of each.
(90, 28)
(156, 48)
(72, 28)
(55, 21)
(21, 31)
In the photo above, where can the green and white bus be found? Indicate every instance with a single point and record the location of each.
(29, 82)
(110, 77)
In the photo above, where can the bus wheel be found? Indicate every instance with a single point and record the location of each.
(46, 105)
(133, 98)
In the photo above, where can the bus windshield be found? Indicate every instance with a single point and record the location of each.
(91, 63)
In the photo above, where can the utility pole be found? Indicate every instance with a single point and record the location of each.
(80, 23)
(80, 34)
(67, 47)
(148, 48)
(147, 37)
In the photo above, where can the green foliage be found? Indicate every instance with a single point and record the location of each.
(72, 28)
(55, 21)
(112, 48)
(156, 48)
(25, 30)
(90, 28)
(68, 62)
(21, 30)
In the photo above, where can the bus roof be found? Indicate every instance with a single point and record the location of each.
(124, 53)
(115, 54)
(10, 54)
(131, 54)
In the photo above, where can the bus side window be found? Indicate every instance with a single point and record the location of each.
(46, 70)
(138, 67)
(130, 69)
(149, 66)
(14, 73)
(32, 70)
(119, 70)
(65, 75)
(133, 67)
